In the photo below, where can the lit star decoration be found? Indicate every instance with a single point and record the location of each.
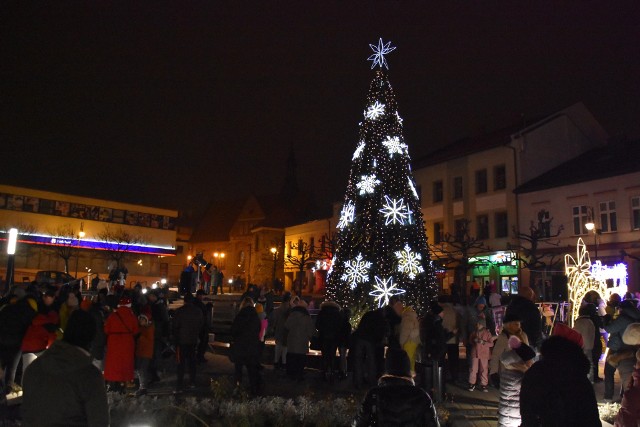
(356, 271)
(395, 211)
(347, 215)
(409, 262)
(399, 118)
(394, 145)
(413, 189)
(368, 184)
(374, 111)
(385, 289)
(378, 54)
(358, 152)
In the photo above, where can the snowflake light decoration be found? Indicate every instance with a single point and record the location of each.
(409, 262)
(356, 271)
(367, 184)
(379, 52)
(358, 152)
(385, 289)
(374, 111)
(394, 145)
(395, 211)
(346, 215)
(413, 189)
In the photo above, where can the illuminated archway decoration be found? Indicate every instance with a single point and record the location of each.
(584, 277)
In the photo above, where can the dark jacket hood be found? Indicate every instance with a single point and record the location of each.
(57, 357)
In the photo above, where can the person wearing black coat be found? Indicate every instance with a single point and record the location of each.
(368, 343)
(329, 324)
(527, 311)
(245, 348)
(396, 401)
(555, 391)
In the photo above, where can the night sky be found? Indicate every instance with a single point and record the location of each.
(178, 104)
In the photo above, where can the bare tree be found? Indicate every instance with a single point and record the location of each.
(529, 251)
(306, 255)
(457, 252)
(63, 241)
(118, 242)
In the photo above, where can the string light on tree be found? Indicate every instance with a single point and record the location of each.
(394, 145)
(409, 262)
(385, 289)
(356, 271)
(378, 54)
(347, 215)
(413, 189)
(399, 118)
(374, 111)
(367, 184)
(395, 211)
(358, 152)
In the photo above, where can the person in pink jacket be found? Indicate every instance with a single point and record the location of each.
(481, 342)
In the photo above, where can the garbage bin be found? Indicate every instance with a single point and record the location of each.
(430, 378)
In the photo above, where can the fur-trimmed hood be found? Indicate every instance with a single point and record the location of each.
(330, 304)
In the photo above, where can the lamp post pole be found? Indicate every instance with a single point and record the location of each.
(274, 251)
(591, 226)
(11, 253)
(80, 236)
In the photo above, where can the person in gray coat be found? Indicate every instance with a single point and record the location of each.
(300, 328)
(280, 315)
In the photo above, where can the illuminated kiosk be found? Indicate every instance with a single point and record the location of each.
(584, 277)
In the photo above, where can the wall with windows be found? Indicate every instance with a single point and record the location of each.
(612, 204)
(47, 220)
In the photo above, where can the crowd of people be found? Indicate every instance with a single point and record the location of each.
(544, 369)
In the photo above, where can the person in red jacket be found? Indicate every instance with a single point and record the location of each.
(42, 331)
(121, 328)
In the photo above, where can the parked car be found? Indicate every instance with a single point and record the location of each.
(52, 277)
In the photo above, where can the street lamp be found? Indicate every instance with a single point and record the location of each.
(274, 252)
(590, 225)
(11, 253)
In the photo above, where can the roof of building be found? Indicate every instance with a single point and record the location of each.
(217, 220)
(615, 159)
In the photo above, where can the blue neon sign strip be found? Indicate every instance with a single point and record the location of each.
(93, 244)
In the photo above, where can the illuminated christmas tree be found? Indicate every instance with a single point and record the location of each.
(382, 246)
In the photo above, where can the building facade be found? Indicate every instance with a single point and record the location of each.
(87, 232)
(471, 184)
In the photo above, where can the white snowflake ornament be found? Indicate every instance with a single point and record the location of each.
(346, 215)
(356, 271)
(367, 184)
(385, 289)
(409, 262)
(395, 211)
(358, 152)
(374, 111)
(394, 145)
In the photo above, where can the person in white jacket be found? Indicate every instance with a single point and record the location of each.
(410, 335)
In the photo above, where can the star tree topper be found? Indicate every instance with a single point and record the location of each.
(378, 54)
(385, 289)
